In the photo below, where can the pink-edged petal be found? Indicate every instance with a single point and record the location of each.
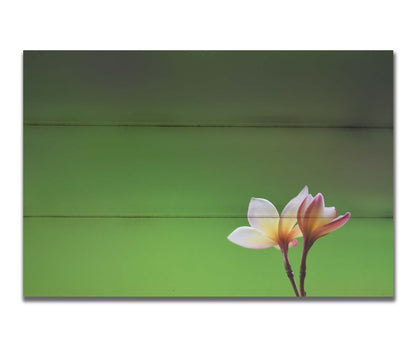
(302, 208)
(250, 238)
(313, 213)
(293, 243)
(262, 215)
(331, 226)
(288, 217)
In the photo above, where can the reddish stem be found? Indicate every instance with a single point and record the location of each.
(289, 271)
(302, 272)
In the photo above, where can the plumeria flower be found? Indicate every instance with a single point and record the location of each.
(315, 220)
(267, 228)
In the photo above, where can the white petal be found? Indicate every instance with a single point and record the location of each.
(296, 232)
(328, 214)
(289, 214)
(262, 215)
(250, 238)
(291, 209)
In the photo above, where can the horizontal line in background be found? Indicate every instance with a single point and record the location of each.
(206, 126)
(177, 217)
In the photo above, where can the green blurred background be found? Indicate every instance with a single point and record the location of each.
(137, 166)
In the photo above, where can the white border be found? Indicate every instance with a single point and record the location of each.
(205, 25)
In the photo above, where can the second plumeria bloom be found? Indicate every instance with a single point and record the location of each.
(315, 220)
(268, 229)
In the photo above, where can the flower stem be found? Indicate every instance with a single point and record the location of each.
(289, 272)
(302, 272)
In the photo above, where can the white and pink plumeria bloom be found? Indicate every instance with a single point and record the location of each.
(267, 228)
(315, 220)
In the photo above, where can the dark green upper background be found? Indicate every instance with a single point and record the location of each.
(312, 88)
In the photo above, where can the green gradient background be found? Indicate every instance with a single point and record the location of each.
(137, 166)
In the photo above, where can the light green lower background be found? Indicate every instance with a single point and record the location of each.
(192, 257)
(211, 173)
